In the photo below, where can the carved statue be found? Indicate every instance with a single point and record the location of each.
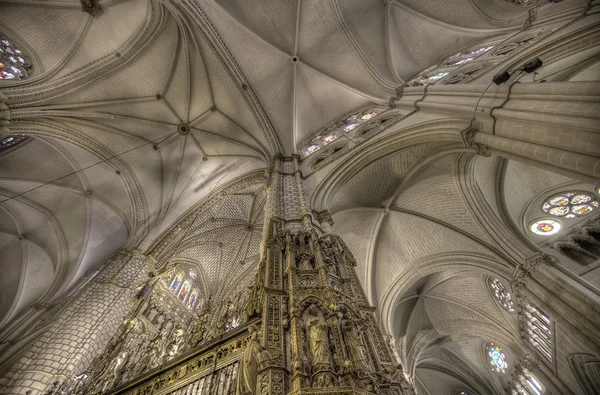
(319, 341)
(198, 332)
(115, 372)
(143, 363)
(355, 346)
(332, 267)
(305, 262)
(175, 344)
(248, 371)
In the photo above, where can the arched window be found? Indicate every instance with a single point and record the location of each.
(538, 330)
(339, 128)
(496, 358)
(570, 204)
(435, 73)
(191, 303)
(502, 295)
(185, 290)
(10, 141)
(526, 383)
(176, 282)
(311, 149)
(14, 65)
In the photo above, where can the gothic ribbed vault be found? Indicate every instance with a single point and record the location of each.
(150, 126)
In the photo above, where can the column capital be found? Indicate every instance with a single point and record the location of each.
(527, 268)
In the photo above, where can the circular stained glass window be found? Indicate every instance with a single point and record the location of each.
(496, 358)
(192, 273)
(545, 227)
(570, 204)
(502, 295)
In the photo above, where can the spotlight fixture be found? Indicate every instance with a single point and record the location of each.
(532, 65)
(501, 78)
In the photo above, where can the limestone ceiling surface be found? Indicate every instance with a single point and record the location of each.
(311, 62)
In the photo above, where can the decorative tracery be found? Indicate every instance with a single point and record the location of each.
(545, 227)
(537, 329)
(183, 287)
(449, 65)
(496, 358)
(338, 129)
(502, 295)
(570, 204)
(525, 383)
(14, 65)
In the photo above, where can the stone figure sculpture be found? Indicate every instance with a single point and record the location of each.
(319, 341)
(355, 346)
(248, 371)
(305, 263)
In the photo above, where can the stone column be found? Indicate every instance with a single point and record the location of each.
(82, 330)
(319, 333)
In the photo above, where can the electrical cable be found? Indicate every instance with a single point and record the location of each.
(477, 105)
(157, 141)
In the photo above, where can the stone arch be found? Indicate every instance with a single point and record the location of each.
(431, 264)
(586, 368)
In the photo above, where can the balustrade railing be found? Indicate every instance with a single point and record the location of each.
(211, 368)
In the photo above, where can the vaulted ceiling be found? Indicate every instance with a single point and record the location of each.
(429, 226)
(138, 115)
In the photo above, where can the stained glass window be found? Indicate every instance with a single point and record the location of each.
(368, 115)
(496, 357)
(437, 76)
(329, 139)
(191, 303)
(311, 149)
(11, 140)
(185, 290)
(502, 295)
(450, 65)
(13, 63)
(337, 129)
(570, 204)
(480, 50)
(350, 126)
(192, 274)
(176, 281)
(545, 227)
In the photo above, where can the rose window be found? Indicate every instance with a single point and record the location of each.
(570, 204)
